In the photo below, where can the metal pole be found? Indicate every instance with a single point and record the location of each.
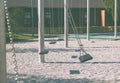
(2, 44)
(115, 20)
(32, 17)
(41, 25)
(88, 20)
(66, 23)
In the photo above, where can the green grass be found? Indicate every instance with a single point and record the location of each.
(97, 37)
(20, 37)
(26, 37)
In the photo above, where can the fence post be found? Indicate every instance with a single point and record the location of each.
(2, 44)
(41, 25)
(88, 20)
(115, 19)
(66, 22)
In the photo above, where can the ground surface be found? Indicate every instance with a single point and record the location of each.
(103, 68)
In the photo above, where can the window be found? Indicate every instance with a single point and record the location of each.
(47, 15)
(27, 19)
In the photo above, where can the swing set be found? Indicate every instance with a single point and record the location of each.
(68, 18)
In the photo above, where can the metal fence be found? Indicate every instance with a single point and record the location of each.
(24, 16)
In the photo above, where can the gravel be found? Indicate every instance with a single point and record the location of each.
(103, 68)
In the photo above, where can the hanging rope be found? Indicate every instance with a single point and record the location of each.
(59, 4)
(84, 56)
(75, 31)
(52, 21)
(95, 17)
(72, 22)
(52, 11)
(59, 19)
(81, 17)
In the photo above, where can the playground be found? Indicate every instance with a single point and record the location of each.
(59, 41)
(57, 64)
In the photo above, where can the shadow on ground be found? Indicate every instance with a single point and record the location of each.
(41, 79)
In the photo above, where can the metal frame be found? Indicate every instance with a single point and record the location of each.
(40, 30)
(41, 25)
(2, 44)
(41, 22)
(88, 20)
(115, 19)
(66, 23)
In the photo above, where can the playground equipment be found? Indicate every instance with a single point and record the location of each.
(11, 39)
(52, 25)
(115, 23)
(2, 44)
(66, 24)
(83, 55)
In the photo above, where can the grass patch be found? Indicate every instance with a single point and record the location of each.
(20, 37)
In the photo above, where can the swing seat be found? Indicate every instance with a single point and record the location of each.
(44, 52)
(59, 39)
(74, 72)
(73, 56)
(77, 50)
(85, 57)
(52, 42)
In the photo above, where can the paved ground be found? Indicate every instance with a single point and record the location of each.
(103, 68)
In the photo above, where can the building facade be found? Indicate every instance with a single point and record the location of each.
(54, 13)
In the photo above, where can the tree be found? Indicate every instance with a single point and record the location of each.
(110, 7)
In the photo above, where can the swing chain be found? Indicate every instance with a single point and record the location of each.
(15, 61)
(10, 34)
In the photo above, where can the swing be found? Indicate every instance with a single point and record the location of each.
(11, 40)
(60, 21)
(74, 72)
(52, 21)
(17, 78)
(52, 42)
(14, 55)
(83, 55)
(81, 23)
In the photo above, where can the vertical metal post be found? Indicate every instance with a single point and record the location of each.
(115, 19)
(32, 17)
(88, 20)
(66, 22)
(2, 44)
(41, 25)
